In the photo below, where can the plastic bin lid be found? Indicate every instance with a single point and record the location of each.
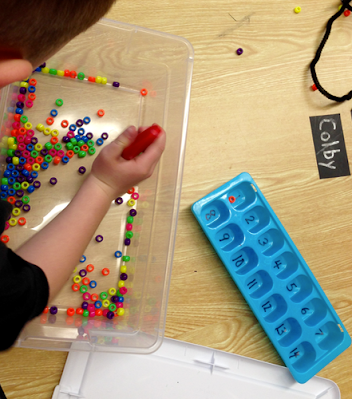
(182, 370)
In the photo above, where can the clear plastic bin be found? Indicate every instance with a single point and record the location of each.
(137, 58)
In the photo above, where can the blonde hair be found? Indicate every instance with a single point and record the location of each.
(37, 28)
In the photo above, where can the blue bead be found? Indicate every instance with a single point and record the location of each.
(121, 299)
(77, 137)
(53, 112)
(81, 131)
(12, 180)
(44, 165)
(4, 187)
(7, 173)
(118, 254)
(11, 191)
(38, 69)
(22, 161)
(65, 159)
(92, 284)
(72, 128)
(19, 111)
(83, 259)
(3, 195)
(25, 173)
(34, 174)
(11, 166)
(98, 304)
(85, 139)
(86, 120)
(100, 141)
(29, 147)
(32, 89)
(30, 189)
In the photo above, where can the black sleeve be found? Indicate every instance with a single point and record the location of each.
(24, 293)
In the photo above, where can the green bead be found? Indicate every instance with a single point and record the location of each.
(57, 146)
(11, 153)
(83, 289)
(130, 219)
(73, 141)
(80, 76)
(80, 143)
(129, 234)
(91, 151)
(24, 119)
(25, 199)
(34, 154)
(76, 149)
(69, 146)
(85, 313)
(52, 71)
(4, 181)
(59, 102)
(103, 295)
(90, 143)
(16, 186)
(112, 307)
(118, 293)
(48, 146)
(48, 158)
(82, 154)
(126, 258)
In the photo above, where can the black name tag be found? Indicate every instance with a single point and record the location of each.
(329, 145)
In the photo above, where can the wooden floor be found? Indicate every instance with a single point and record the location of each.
(248, 113)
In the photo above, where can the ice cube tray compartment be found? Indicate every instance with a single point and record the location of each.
(272, 276)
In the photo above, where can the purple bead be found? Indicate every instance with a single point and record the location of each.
(119, 200)
(44, 152)
(34, 140)
(30, 179)
(110, 315)
(79, 122)
(133, 212)
(20, 194)
(115, 298)
(53, 181)
(18, 204)
(43, 65)
(26, 207)
(23, 90)
(20, 179)
(116, 84)
(123, 276)
(8, 159)
(83, 273)
(104, 136)
(82, 170)
(65, 139)
(239, 51)
(84, 305)
(53, 310)
(18, 153)
(127, 241)
(19, 104)
(19, 168)
(89, 135)
(37, 184)
(99, 238)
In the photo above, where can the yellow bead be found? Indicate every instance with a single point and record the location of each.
(16, 211)
(298, 10)
(121, 284)
(47, 131)
(13, 147)
(75, 270)
(77, 279)
(60, 73)
(98, 79)
(120, 311)
(25, 185)
(11, 140)
(45, 70)
(36, 167)
(28, 125)
(54, 132)
(131, 202)
(106, 303)
(12, 222)
(40, 127)
(104, 81)
(24, 84)
(15, 160)
(339, 7)
(112, 291)
(123, 269)
(38, 147)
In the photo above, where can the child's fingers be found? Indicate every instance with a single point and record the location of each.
(124, 139)
(150, 157)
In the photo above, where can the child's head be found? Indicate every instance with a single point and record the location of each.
(33, 30)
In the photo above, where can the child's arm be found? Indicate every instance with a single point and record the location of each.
(57, 248)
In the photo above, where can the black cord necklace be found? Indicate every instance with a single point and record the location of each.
(345, 5)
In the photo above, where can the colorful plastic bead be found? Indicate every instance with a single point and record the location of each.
(85, 280)
(75, 287)
(115, 84)
(101, 113)
(64, 123)
(98, 304)
(94, 297)
(53, 181)
(100, 141)
(133, 212)
(86, 120)
(131, 202)
(127, 241)
(104, 136)
(239, 51)
(77, 279)
(70, 311)
(123, 276)
(82, 273)
(82, 170)
(297, 10)
(105, 271)
(59, 102)
(119, 200)
(83, 289)
(144, 92)
(99, 238)
(53, 310)
(90, 268)
(103, 295)
(118, 254)
(92, 284)
(50, 120)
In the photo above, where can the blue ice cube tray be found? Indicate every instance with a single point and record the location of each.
(272, 276)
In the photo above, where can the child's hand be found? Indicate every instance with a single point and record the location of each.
(114, 174)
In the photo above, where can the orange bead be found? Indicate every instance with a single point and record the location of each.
(17, 118)
(70, 311)
(73, 74)
(90, 268)
(91, 79)
(14, 132)
(131, 190)
(50, 120)
(101, 113)
(75, 287)
(54, 140)
(46, 309)
(11, 200)
(94, 297)
(22, 221)
(64, 123)
(27, 166)
(105, 271)
(32, 82)
(5, 239)
(32, 96)
(144, 92)
(22, 131)
(85, 281)
(84, 147)
(98, 312)
(39, 160)
(56, 160)
(79, 311)
(70, 153)
(67, 72)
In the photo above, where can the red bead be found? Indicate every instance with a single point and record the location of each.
(73, 74)
(79, 311)
(17, 117)
(101, 113)
(90, 268)
(91, 79)
(98, 312)
(314, 87)
(54, 140)
(75, 287)
(105, 271)
(85, 281)
(347, 13)
(14, 132)
(5, 239)
(31, 97)
(50, 120)
(70, 311)
(57, 160)
(67, 73)
(131, 190)
(46, 309)
(27, 166)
